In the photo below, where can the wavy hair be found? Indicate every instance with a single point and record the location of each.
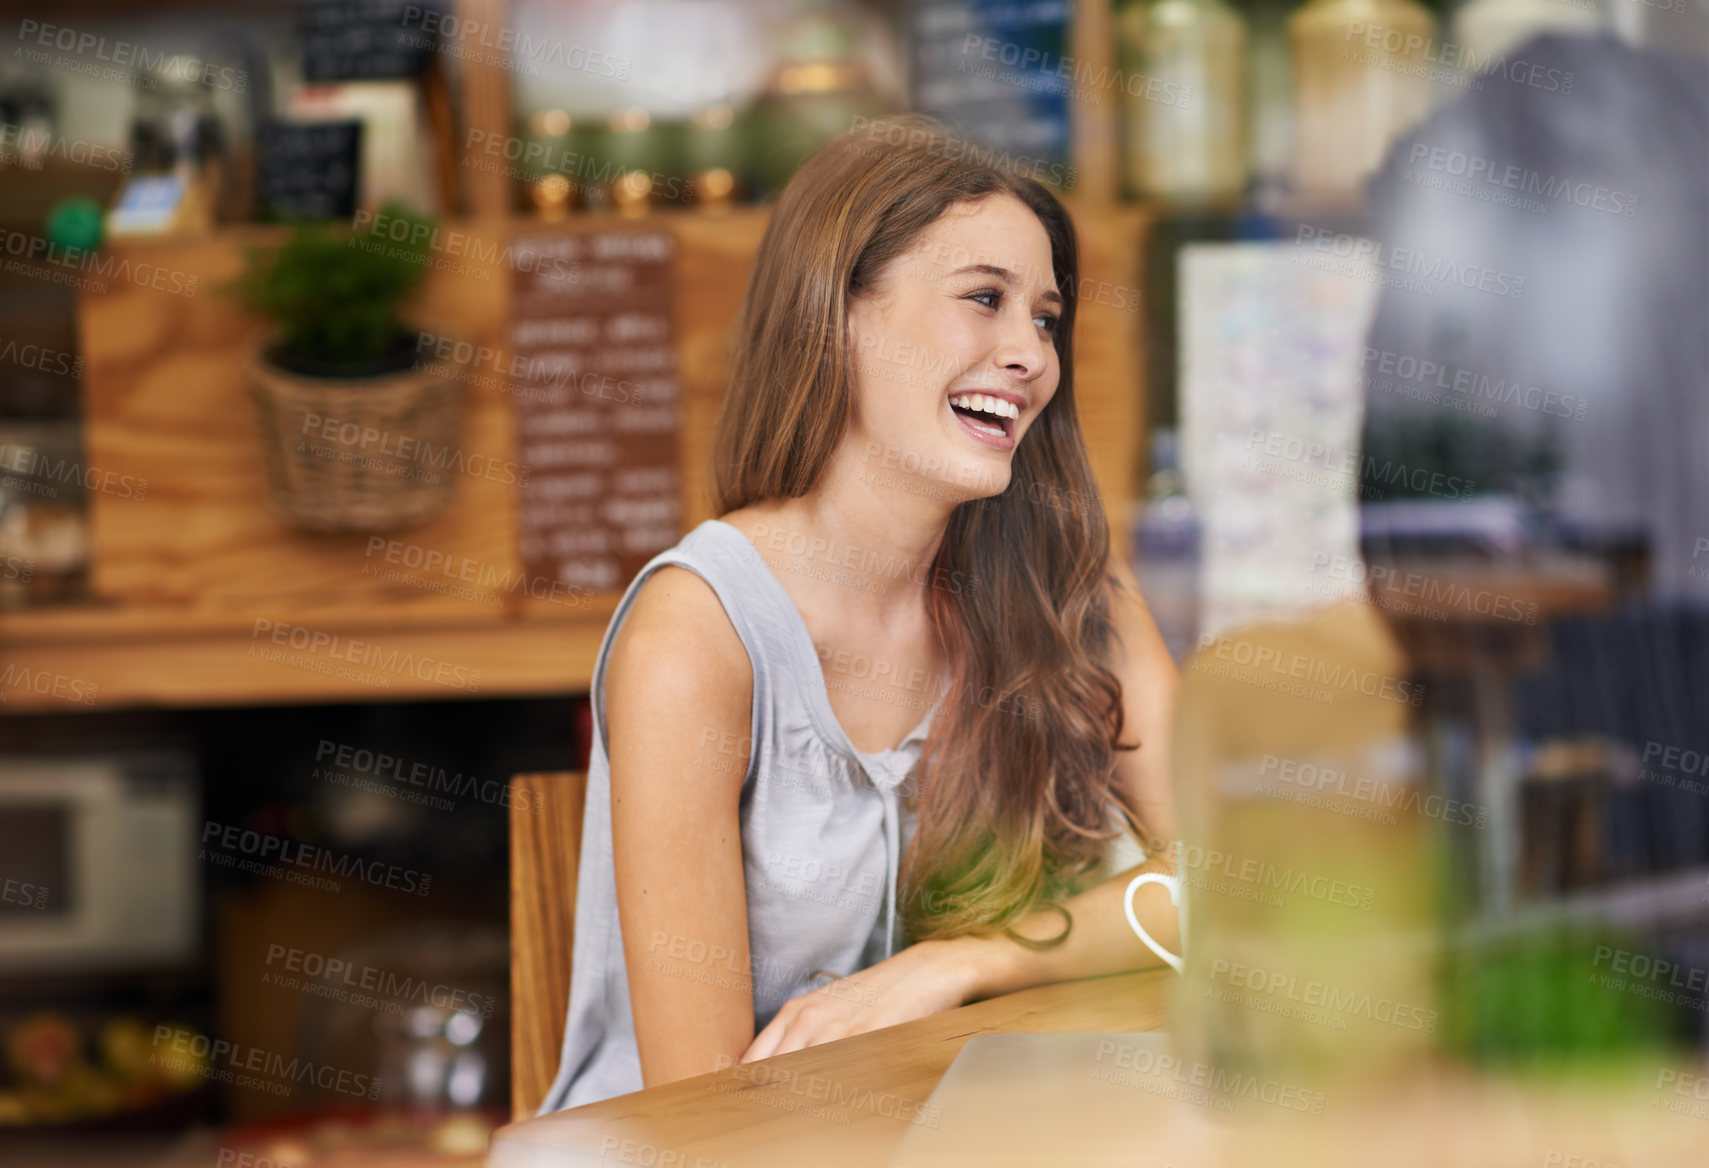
(1016, 777)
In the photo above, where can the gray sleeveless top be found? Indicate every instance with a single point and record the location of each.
(823, 829)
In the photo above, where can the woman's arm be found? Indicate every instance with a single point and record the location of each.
(931, 976)
(678, 698)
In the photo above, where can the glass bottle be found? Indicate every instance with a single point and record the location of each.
(27, 110)
(1269, 100)
(1166, 549)
(1183, 74)
(1307, 858)
(1362, 75)
(174, 125)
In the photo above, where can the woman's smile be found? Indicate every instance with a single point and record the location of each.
(988, 416)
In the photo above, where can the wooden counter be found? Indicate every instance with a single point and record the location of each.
(183, 571)
(851, 1104)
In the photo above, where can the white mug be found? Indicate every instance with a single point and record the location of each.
(1174, 885)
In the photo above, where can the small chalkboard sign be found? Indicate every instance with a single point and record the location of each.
(998, 73)
(367, 40)
(308, 170)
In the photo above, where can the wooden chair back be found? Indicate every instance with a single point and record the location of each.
(545, 852)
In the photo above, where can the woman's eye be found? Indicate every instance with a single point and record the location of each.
(992, 298)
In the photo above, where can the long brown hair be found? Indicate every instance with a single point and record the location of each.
(1016, 774)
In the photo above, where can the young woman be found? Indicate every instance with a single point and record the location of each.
(871, 745)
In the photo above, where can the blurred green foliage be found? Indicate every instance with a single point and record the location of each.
(1544, 1001)
(336, 295)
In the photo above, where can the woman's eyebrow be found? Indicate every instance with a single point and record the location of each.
(1050, 295)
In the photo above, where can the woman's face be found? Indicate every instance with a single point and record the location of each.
(953, 351)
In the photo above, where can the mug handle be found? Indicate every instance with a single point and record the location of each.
(1173, 884)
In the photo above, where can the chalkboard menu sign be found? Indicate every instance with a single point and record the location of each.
(308, 170)
(593, 370)
(998, 72)
(367, 40)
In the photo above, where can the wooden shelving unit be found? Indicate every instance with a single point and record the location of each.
(182, 574)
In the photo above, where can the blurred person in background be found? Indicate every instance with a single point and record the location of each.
(1568, 370)
(1597, 200)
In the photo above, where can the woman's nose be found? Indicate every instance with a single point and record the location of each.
(1024, 348)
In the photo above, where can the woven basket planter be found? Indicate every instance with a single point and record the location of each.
(362, 454)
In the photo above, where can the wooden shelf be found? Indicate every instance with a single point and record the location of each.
(365, 658)
(182, 575)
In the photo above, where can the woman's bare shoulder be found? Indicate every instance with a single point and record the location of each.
(676, 625)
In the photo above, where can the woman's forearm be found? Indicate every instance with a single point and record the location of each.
(1101, 941)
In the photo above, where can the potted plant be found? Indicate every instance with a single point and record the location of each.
(356, 434)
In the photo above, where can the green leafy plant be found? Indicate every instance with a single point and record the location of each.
(337, 295)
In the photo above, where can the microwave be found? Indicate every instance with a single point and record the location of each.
(98, 862)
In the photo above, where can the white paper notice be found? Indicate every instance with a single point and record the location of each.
(1271, 407)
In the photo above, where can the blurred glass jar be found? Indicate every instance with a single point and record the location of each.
(174, 126)
(1362, 74)
(428, 1018)
(817, 90)
(546, 163)
(1184, 102)
(44, 525)
(712, 153)
(643, 155)
(27, 115)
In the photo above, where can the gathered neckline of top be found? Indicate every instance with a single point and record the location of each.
(819, 701)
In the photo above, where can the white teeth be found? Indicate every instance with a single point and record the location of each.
(986, 404)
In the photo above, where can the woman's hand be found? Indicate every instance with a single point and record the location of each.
(926, 978)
